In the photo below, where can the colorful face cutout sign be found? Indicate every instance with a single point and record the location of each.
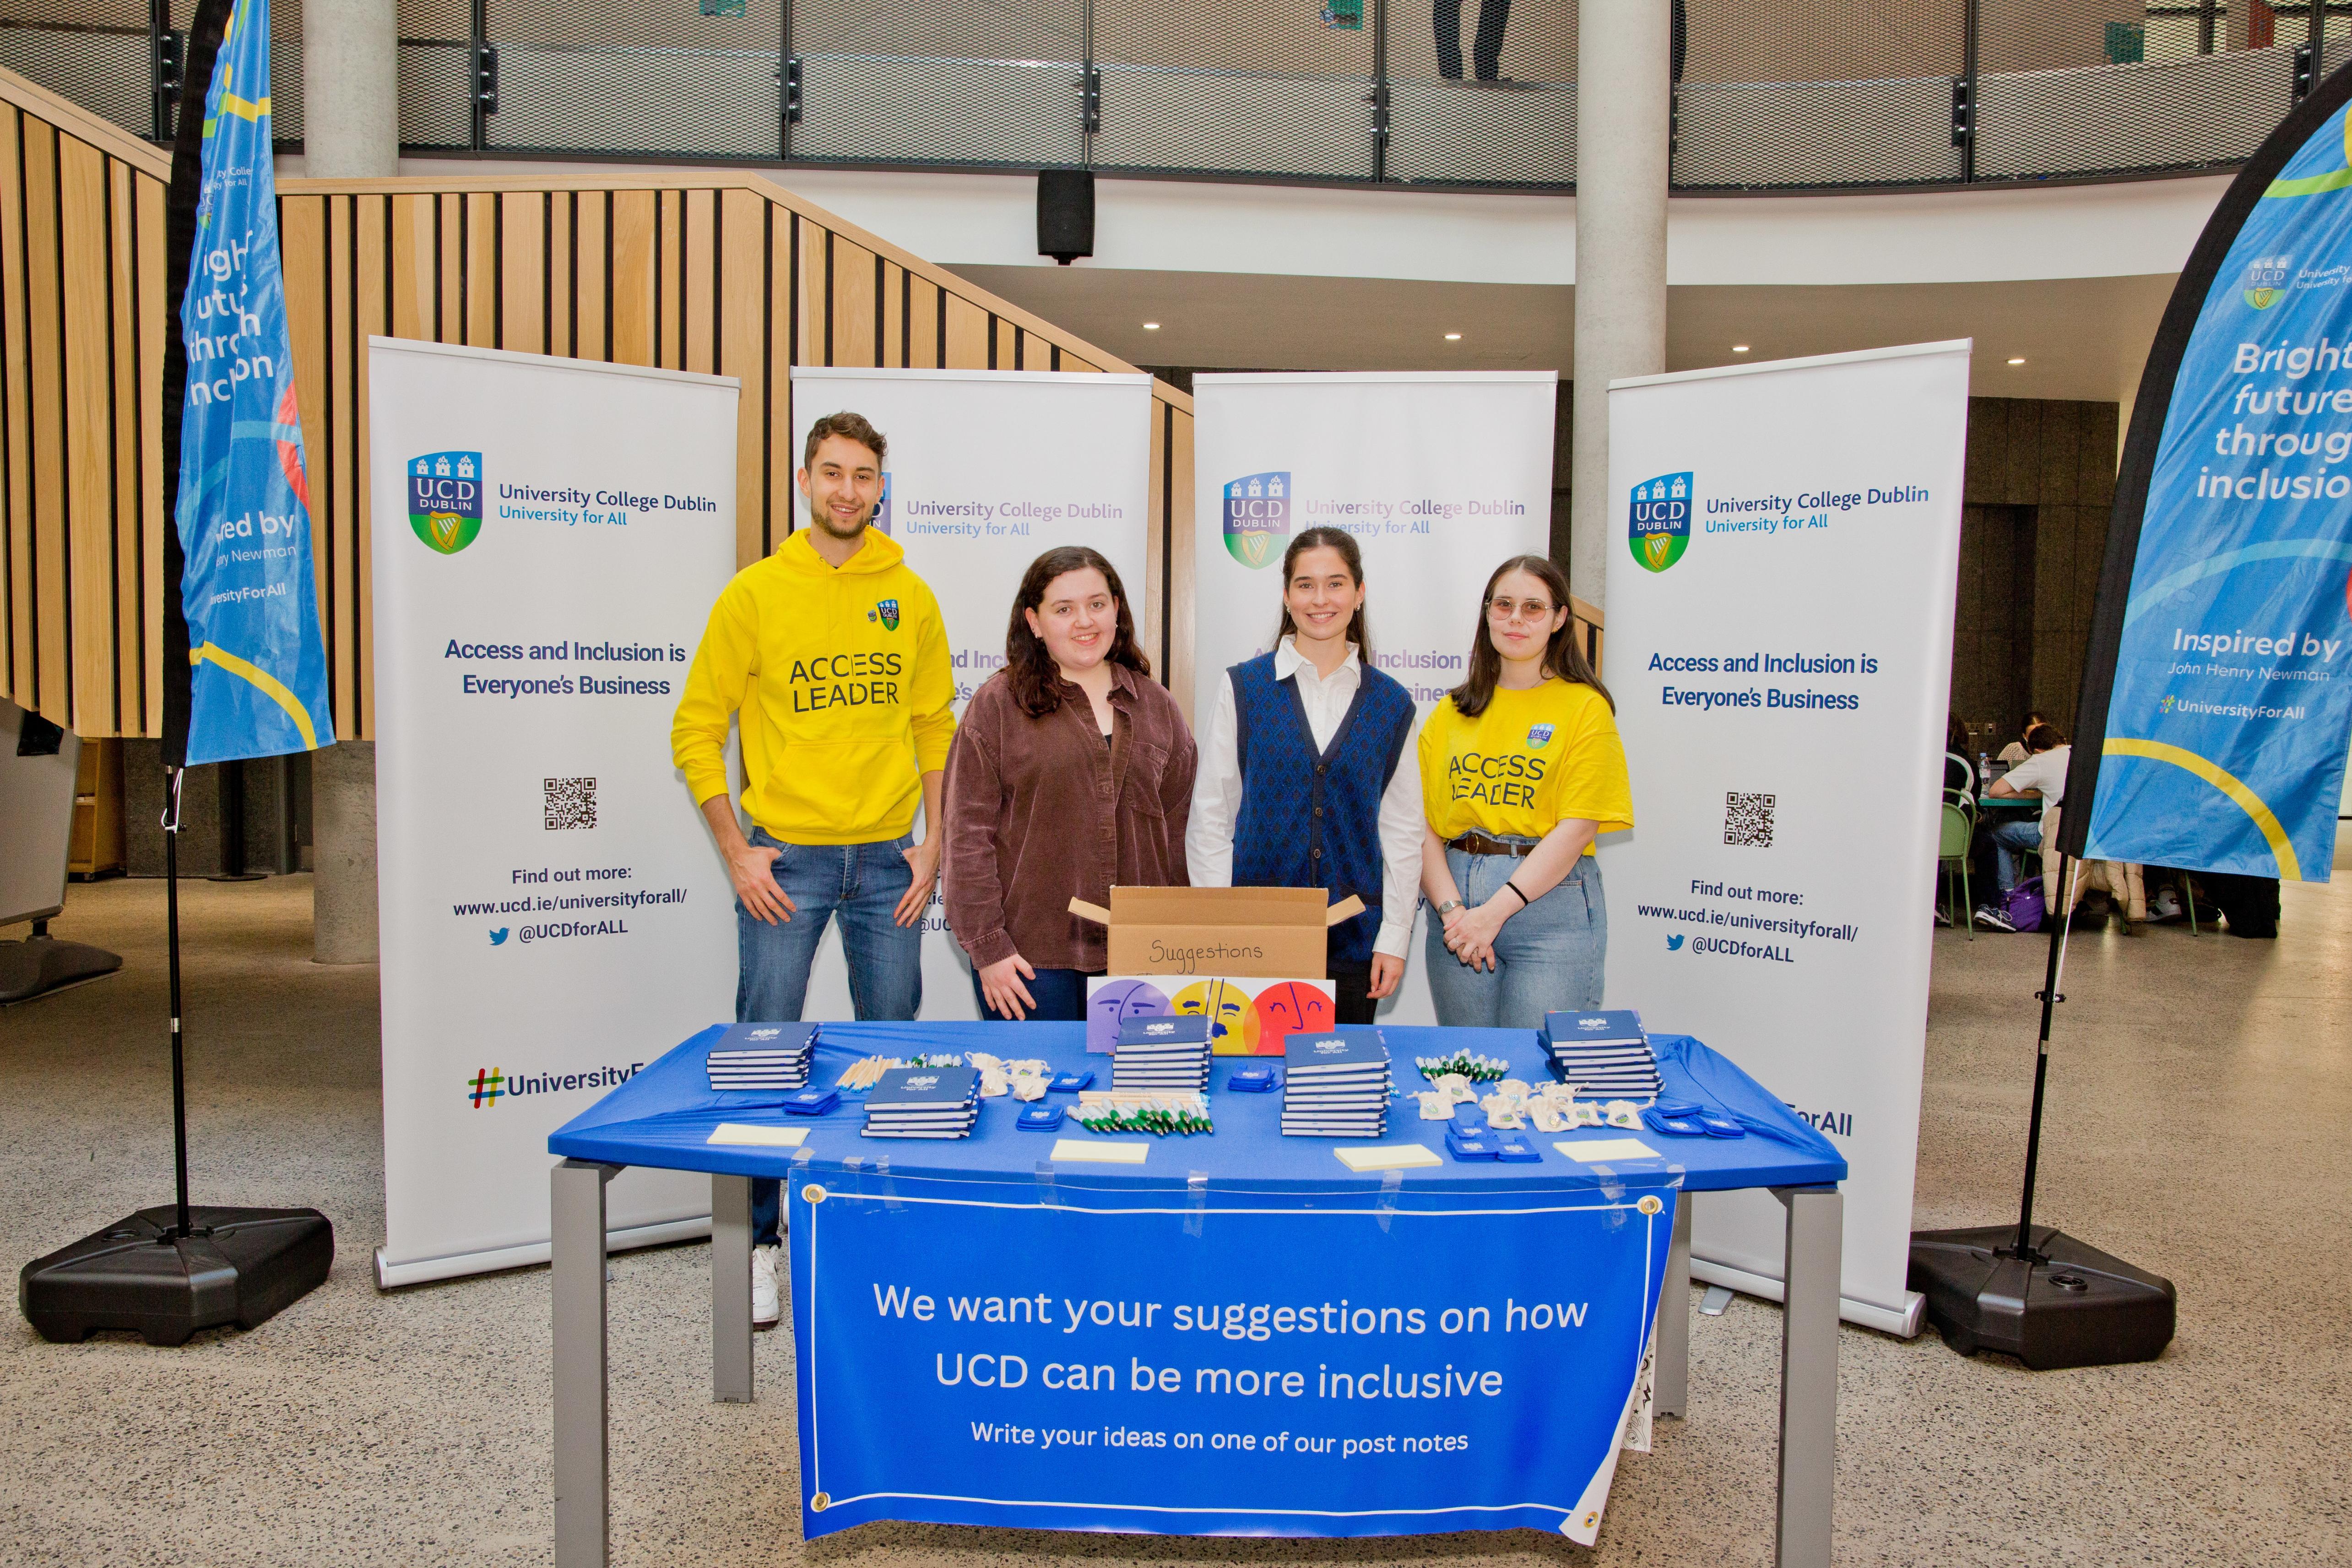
(1232, 1022)
(1113, 1004)
(1289, 1006)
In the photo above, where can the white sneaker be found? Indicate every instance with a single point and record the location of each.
(765, 1307)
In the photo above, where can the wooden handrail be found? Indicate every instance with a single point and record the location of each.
(75, 120)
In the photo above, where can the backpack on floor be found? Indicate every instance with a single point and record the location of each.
(2025, 906)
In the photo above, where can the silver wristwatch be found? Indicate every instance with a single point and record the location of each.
(1447, 908)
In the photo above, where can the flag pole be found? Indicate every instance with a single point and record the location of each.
(168, 1271)
(178, 1055)
(2044, 1296)
(204, 31)
(2049, 996)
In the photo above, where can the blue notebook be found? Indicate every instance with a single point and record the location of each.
(1619, 1026)
(924, 1088)
(1350, 1050)
(765, 1037)
(1182, 1030)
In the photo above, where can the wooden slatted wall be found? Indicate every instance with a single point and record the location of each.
(81, 361)
(730, 275)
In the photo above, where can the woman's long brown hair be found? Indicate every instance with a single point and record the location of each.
(1561, 657)
(1036, 683)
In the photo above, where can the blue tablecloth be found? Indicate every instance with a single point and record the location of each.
(1239, 1336)
(664, 1114)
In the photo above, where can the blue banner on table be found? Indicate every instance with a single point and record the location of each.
(1040, 1354)
(259, 672)
(2220, 745)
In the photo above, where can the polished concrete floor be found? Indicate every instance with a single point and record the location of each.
(2200, 1095)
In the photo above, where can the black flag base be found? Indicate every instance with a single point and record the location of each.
(41, 964)
(234, 1266)
(2065, 1304)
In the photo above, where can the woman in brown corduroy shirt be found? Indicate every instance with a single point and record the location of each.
(1072, 771)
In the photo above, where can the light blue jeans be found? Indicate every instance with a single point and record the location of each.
(860, 886)
(2012, 841)
(1547, 957)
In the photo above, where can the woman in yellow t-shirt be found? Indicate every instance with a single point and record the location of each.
(1521, 768)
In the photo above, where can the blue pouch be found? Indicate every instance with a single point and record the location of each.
(1481, 1148)
(1673, 1126)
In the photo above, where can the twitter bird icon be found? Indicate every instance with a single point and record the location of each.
(499, 937)
(1674, 943)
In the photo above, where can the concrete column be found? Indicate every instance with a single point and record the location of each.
(342, 828)
(1623, 62)
(351, 93)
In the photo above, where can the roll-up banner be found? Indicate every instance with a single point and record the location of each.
(1439, 476)
(2217, 690)
(549, 537)
(1780, 645)
(987, 470)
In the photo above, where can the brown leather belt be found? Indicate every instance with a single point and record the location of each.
(1479, 844)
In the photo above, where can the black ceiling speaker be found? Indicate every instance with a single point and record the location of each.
(1066, 214)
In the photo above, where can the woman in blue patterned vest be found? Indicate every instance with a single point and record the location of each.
(1308, 777)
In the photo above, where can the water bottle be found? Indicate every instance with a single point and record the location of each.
(1984, 771)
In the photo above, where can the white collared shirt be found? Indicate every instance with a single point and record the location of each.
(1217, 793)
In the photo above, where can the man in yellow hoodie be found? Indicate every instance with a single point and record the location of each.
(832, 653)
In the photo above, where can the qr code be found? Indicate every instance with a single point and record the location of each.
(1747, 820)
(571, 803)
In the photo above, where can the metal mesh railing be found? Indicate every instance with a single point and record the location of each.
(1769, 94)
(1242, 88)
(990, 83)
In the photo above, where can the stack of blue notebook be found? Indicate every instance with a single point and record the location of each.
(1605, 1055)
(923, 1102)
(762, 1056)
(1168, 1052)
(1335, 1084)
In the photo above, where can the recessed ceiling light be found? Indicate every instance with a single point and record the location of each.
(2018, 360)
(1151, 326)
(1453, 337)
(1739, 348)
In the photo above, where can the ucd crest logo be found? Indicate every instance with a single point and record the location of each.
(1257, 512)
(2266, 280)
(1539, 737)
(887, 610)
(1659, 530)
(445, 499)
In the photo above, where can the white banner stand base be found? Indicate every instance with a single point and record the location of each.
(1904, 1324)
(392, 1276)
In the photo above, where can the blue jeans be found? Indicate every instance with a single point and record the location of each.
(2011, 840)
(1547, 957)
(859, 885)
(1060, 996)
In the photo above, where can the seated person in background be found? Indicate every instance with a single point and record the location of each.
(2042, 774)
(1959, 773)
(2119, 880)
(2016, 750)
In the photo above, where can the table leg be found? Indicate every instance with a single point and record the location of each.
(1670, 1381)
(576, 1256)
(730, 1290)
(1809, 1371)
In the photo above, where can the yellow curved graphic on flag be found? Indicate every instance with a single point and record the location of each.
(2317, 185)
(2247, 801)
(269, 683)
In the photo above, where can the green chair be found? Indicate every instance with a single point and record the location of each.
(1952, 850)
